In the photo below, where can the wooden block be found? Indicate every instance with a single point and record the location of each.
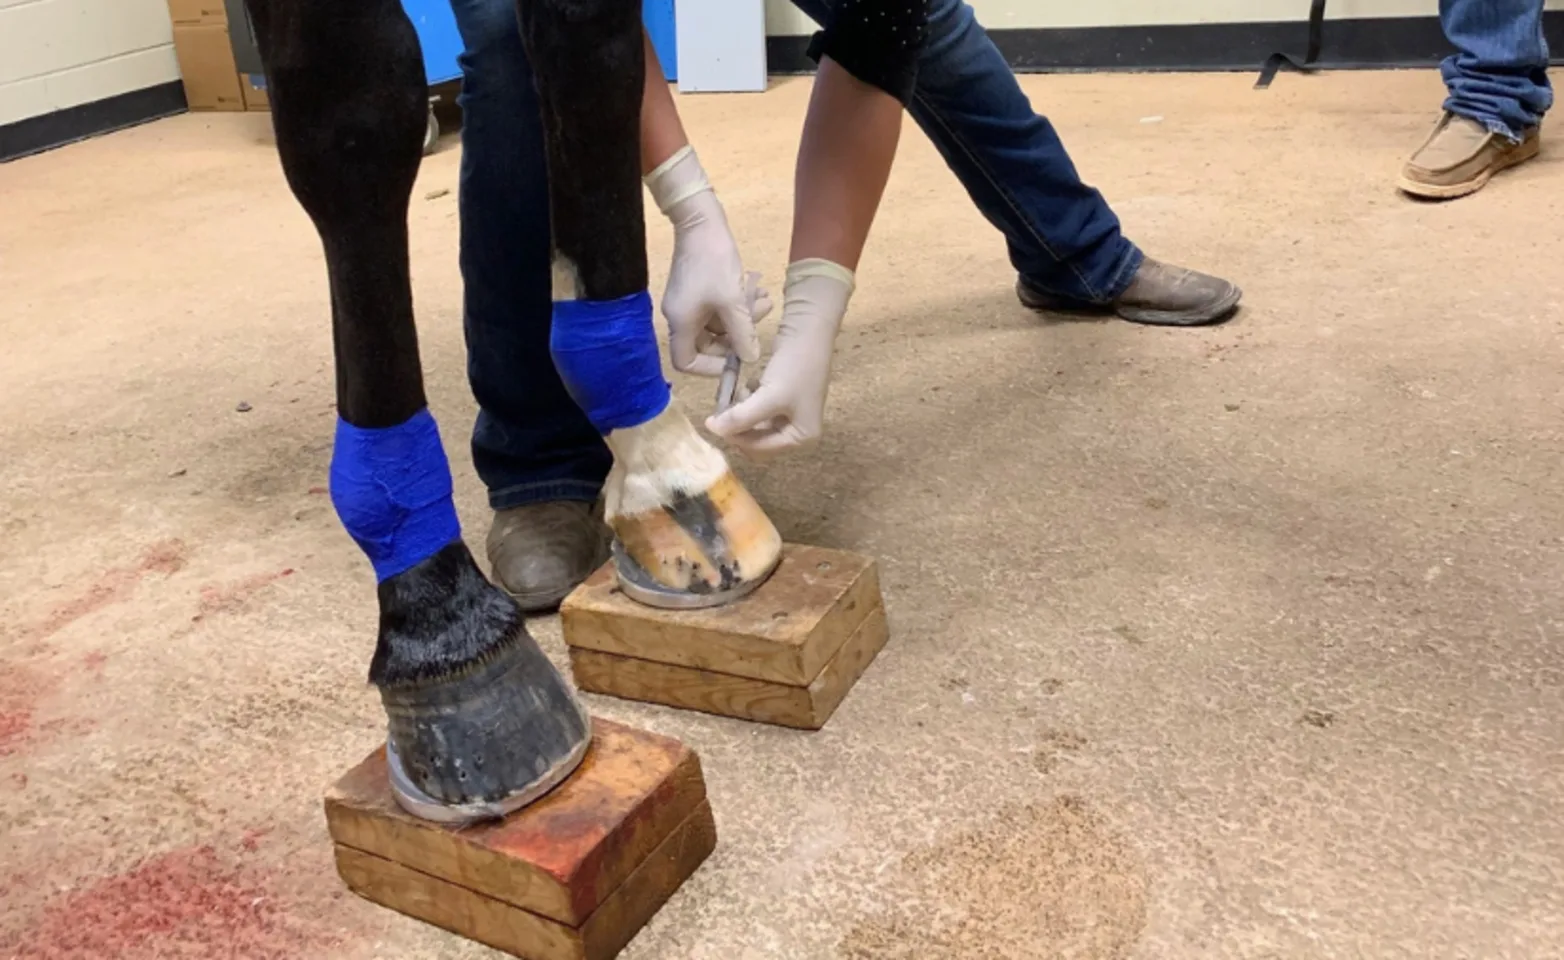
(786, 654)
(571, 877)
(783, 632)
(807, 708)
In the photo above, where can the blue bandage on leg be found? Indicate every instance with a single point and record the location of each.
(392, 489)
(606, 354)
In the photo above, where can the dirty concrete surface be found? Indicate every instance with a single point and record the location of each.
(1235, 642)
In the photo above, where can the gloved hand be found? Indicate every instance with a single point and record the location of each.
(709, 308)
(786, 410)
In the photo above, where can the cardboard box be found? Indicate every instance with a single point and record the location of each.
(206, 65)
(197, 12)
(254, 96)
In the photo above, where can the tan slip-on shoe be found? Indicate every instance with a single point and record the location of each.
(1460, 156)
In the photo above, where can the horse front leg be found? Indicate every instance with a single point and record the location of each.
(480, 722)
(687, 531)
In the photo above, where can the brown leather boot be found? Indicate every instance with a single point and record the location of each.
(539, 552)
(1160, 294)
(1460, 156)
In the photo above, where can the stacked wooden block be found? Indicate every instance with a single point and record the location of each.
(577, 874)
(571, 877)
(787, 654)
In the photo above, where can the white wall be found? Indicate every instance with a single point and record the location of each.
(61, 53)
(782, 19)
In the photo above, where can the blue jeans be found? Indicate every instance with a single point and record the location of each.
(1499, 77)
(531, 443)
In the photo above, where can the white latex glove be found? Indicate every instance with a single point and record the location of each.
(786, 410)
(710, 309)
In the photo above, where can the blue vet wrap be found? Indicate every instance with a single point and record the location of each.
(392, 489)
(606, 353)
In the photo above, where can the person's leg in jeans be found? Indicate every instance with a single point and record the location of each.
(1499, 77)
(534, 449)
(1063, 237)
(1498, 93)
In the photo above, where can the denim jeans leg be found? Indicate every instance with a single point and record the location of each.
(1062, 235)
(1499, 76)
(531, 442)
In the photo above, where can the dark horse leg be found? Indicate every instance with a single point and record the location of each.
(480, 722)
(687, 532)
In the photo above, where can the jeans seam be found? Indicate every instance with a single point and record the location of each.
(1129, 265)
(1005, 194)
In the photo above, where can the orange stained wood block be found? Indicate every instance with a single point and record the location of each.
(574, 875)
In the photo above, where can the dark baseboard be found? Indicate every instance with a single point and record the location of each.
(1378, 42)
(36, 134)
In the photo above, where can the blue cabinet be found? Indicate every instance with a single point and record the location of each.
(438, 36)
(657, 15)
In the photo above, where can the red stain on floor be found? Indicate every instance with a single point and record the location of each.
(14, 728)
(114, 585)
(22, 689)
(251, 841)
(190, 902)
(228, 597)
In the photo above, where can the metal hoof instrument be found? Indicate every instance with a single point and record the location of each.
(728, 385)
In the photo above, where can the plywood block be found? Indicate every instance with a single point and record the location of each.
(785, 632)
(571, 877)
(807, 708)
(787, 654)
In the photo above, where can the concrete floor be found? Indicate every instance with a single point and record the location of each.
(1240, 642)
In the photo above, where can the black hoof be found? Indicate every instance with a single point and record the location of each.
(480, 721)
(488, 742)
